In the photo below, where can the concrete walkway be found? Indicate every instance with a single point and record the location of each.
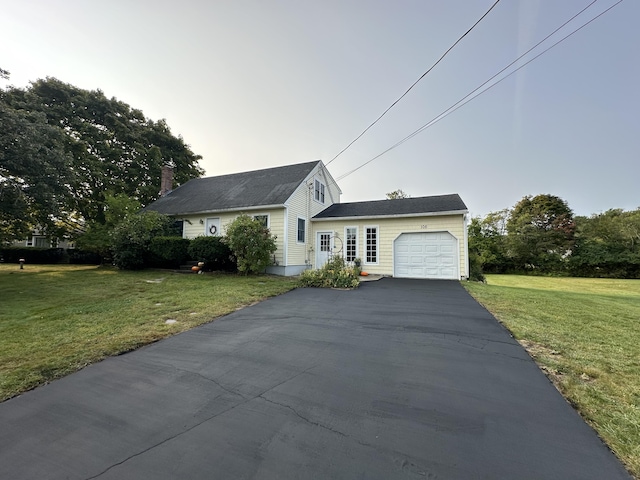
(397, 379)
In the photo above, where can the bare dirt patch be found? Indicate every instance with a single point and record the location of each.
(538, 351)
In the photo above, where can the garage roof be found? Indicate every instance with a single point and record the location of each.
(403, 206)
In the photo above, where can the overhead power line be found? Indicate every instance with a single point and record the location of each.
(464, 100)
(414, 84)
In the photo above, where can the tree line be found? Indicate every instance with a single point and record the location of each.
(540, 234)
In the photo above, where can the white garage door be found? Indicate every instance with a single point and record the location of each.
(426, 255)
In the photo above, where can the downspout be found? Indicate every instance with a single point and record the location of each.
(466, 244)
(285, 251)
(309, 242)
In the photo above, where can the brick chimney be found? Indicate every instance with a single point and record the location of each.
(166, 180)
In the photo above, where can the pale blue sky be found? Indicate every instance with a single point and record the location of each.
(256, 84)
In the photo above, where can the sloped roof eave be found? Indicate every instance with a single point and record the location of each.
(227, 210)
(398, 215)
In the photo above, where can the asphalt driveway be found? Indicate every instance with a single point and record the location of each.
(397, 379)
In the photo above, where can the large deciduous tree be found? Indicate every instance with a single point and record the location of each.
(540, 232)
(34, 173)
(111, 148)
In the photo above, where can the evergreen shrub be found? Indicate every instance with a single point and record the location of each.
(214, 252)
(170, 251)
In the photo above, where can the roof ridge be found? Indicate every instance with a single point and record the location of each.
(251, 172)
(401, 199)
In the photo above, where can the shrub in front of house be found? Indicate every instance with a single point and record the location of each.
(170, 251)
(251, 243)
(334, 274)
(131, 239)
(215, 254)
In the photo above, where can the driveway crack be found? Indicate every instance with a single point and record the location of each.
(168, 439)
(299, 415)
(209, 379)
(172, 437)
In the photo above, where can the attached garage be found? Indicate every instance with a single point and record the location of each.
(422, 237)
(426, 255)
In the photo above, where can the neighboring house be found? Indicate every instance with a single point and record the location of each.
(38, 240)
(283, 198)
(422, 237)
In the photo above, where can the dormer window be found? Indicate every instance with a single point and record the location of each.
(319, 191)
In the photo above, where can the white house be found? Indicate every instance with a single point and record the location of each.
(424, 237)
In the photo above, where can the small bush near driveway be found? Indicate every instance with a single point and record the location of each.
(334, 274)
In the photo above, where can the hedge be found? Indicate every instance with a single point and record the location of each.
(33, 255)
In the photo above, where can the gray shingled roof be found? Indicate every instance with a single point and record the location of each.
(401, 206)
(271, 186)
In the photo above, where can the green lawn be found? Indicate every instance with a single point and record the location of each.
(57, 319)
(585, 334)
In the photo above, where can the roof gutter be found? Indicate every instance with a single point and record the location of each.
(399, 215)
(232, 209)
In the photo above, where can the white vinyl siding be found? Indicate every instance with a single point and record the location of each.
(302, 204)
(299, 207)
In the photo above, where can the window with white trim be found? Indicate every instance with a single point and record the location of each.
(263, 219)
(318, 191)
(371, 247)
(351, 243)
(302, 229)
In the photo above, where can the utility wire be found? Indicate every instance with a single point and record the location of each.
(463, 101)
(414, 84)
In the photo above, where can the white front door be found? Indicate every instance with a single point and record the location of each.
(323, 248)
(212, 227)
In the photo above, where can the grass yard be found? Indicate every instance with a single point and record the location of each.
(57, 319)
(585, 334)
